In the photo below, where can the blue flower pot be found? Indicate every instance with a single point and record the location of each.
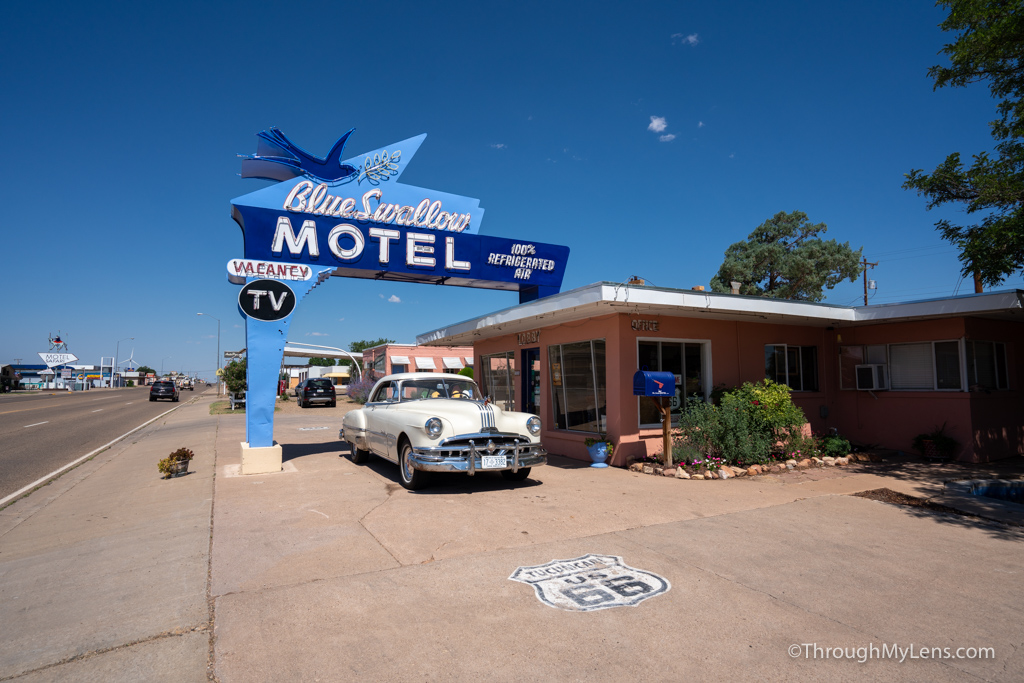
(599, 453)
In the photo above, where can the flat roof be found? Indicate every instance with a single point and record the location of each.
(603, 298)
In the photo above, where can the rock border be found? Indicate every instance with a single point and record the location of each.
(730, 472)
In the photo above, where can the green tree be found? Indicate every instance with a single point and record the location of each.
(234, 376)
(145, 370)
(989, 48)
(362, 345)
(785, 259)
(327, 362)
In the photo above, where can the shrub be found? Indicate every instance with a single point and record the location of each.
(359, 391)
(696, 442)
(749, 422)
(834, 446)
(130, 383)
(466, 372)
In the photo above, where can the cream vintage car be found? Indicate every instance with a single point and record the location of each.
(435, 422)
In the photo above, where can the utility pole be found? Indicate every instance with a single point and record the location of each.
(866, 266)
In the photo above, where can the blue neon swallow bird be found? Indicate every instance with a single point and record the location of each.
(278, 158)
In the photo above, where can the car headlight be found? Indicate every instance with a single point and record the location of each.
(533, 424)
(434, 427)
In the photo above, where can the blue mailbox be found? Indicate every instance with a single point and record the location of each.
(652, 383)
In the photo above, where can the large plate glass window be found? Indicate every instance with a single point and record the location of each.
(794, 366)
(683, 359)
(927, 366)
(496, 376)
(986, 366)
(578, 386)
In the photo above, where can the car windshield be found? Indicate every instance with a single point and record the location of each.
(417, 389)
(320, 383)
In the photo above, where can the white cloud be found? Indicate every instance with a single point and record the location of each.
(658, 124)
(691, 39)
(341, 320)
(317, 334)
(394, 299)
(499, 145)
(700, 124)
(666, 138)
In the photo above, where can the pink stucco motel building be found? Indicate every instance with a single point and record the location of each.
(878, 374)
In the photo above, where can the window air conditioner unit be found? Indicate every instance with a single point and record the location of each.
(872, 377)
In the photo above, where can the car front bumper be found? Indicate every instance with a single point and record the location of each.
(464, 454)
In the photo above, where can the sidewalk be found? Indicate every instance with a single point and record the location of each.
(103, 572)
(331, 571)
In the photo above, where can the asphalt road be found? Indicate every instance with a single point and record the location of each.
(41, 432)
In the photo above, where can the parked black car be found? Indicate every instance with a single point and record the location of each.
(164, 390)
(316, 390)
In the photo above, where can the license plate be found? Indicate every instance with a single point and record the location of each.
(488, 462)
(319, 391)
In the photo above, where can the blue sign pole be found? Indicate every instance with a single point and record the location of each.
(265, 340)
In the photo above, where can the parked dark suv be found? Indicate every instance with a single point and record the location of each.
(163, 390)
(316, 390)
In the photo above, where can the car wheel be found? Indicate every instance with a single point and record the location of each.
(509, 475)
(411, 478)
(152, 400)
(174, 400)
(303, 404)
(334, 404)
(359, 456)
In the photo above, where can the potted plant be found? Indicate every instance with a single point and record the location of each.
(936, 443)
(600, 449)
(176, 463)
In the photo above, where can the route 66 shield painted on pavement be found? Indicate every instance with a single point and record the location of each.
(591, 582)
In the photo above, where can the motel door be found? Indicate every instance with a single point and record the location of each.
(531, 380)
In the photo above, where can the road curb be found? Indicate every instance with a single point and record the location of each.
(56, 473)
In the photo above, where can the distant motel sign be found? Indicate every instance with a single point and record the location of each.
(355, 218)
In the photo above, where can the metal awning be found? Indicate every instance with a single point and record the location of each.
(425, 364)
(469, 360)
(452, 363)
(401, 360)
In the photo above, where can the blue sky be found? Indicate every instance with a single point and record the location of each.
(123, 121)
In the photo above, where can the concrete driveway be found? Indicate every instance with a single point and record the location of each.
(331, 571)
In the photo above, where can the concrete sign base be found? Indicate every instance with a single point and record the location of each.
(261, 460)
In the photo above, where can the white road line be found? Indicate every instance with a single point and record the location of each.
(129, 403)
(36, 424)
(96, 411)
(57, 471)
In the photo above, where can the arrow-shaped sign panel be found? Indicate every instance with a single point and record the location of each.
(52, 360)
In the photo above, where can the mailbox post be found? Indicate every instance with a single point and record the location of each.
(658, 386)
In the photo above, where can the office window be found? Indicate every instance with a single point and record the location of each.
(578, 397)
(495, 378)
(986, 365)
(927, 366)
(794, 366)
(685, 360)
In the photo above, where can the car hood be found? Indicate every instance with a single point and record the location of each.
(463, 417)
